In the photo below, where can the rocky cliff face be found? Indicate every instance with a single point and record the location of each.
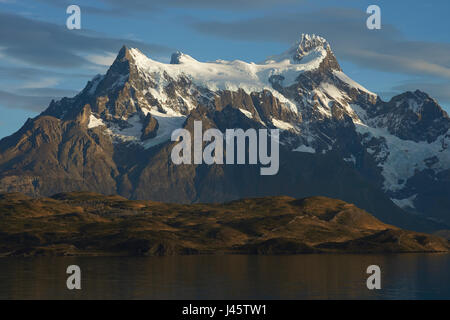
(337, 138)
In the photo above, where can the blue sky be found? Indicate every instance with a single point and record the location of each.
(40, 59)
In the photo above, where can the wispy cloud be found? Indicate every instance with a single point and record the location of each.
(16, 101)
(41, 83)
(32, 74)
(345, 28)
(102, 60)
(119, 7)
(45, 44)
(32, 89)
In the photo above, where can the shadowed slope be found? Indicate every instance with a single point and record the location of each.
(85, 223)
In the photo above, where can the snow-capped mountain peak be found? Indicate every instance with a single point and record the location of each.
(400, 147)
(180, 57)
(308, 48)
(308, 43)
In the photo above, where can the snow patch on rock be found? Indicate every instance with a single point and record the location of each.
(303, 148)
(405, 203)
(247, 113)
(282, 125)
(399, 159)
(95, 122)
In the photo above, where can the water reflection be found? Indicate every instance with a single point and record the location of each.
(407, 276)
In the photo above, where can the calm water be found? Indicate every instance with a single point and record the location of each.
(407, 276)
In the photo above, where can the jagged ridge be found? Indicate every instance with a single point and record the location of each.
(114, 136)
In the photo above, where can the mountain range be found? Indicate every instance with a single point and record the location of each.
(90, 224)
(337, 138)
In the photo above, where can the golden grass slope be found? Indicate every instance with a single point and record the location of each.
(84, 223)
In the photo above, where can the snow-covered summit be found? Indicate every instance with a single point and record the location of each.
(310, 53)
(310, 42)
(180, 57)
(304, 50)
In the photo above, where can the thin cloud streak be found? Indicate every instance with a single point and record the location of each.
(45, 44)
(24, 102)
(137, 7)
(345, 29)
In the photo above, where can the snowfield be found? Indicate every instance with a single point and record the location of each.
(397, 158)
(232, 75)
(404, 157)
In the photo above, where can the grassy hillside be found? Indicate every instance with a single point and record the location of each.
(83, 223)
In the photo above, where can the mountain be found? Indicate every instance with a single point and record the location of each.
(83, 223)
(337, 139)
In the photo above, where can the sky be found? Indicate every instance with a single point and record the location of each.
(41, 59)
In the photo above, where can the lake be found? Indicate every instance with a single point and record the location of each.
(320, 276)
